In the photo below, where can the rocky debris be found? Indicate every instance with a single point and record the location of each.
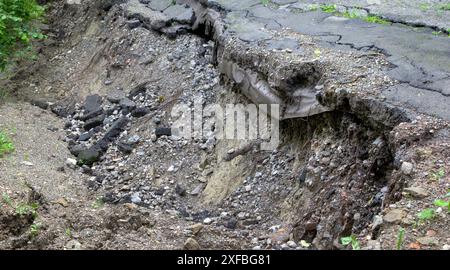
(416, 192)
(115, 96)
(196, 228)
(163, 131)
(407, 168)
(191, 244)
(428, 241)
(94, 122)
(92, 104)
(394, 216)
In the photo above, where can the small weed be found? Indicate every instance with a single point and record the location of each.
(424, 6)
(26, 209)
(427, 214)
(351, 240)
(400, 238)
(442, 203)
(34, 229)
(7, 200)
(265, 2)
(317, 53)
(98, 203)
(375, 19)
(328, 8)
(6, 144)
(68, 232)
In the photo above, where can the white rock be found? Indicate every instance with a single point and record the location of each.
(207, 221)
(291, 244)
(407, 168)
(71, 163)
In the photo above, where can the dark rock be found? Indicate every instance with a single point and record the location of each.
(140, 112)
(116, 128)
(128, 104)
(160, 191)
(92, 103)
(180, 190)
(94, 122)
(40, 103)
(161, 131)
(231, 223)
(91, 115)
(85, 136)
(115, 96)
(76, 149)
(133, 23)
(89, 156)
(125, 148)
(139, 89)
(63, 109)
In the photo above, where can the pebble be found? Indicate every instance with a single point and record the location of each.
(191, 244)
(407, 168)
(417, 192)
(207, 221)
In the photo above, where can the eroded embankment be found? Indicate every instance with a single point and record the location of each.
(336, 169)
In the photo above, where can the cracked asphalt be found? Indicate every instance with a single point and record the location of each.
(419, 55)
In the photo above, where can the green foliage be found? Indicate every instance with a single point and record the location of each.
(445, 6)
(27, 209)
(98, 203)
(7, 200)
(426, 214)
(375, 19)
(351, 240)
(328, 8)
(18, 29)
(34, 229)
(400, 238)
(442, 203)
(6, 145)
(265, 2)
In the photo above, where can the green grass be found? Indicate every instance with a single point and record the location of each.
(6, 144)
(375, 19)
(427, 214)
(445, 6)
(400, 238)
(328, 8)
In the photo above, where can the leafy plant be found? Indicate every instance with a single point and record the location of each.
(427, 214)
(98, 203)
(27, 209)
(68, 232)
(328, 8)
(351, 240)
(7, 200)
(6, 144)
(34, 229)
(265, 2)
(18, 28)
(400, 238)
(375, 19)
(442, 203)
